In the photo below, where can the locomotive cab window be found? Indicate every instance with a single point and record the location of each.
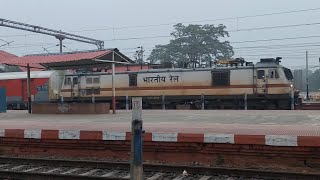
(96, 91)
(261, 74)
(67, 81)
(273, 74)
(220, 78)
(75, 80)
(91, 91)
(89, 80)
(96, 80)
(132, 79)
(93, 80)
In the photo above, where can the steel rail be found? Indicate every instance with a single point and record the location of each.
(253, 173)
(50, 176)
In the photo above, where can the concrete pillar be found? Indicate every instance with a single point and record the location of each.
(245, 101)
(292, 99)
(93, 99)
(163, 102)
(202, 101)
(127, 102)
(136, 167)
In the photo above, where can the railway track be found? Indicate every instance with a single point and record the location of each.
(27, 168)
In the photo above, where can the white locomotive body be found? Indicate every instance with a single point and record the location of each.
(266, 85)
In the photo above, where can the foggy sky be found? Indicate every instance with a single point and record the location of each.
(103, 19)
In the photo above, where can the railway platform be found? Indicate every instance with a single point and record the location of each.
(277, 139)
(303, 123)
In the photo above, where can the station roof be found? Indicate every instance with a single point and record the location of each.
(70, 60)
(23, 75)
(5, 56)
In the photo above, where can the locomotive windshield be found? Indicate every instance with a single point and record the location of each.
(288, 73)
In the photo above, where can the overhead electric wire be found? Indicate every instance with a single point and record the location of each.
(287, 53)
(261, 47)
(281, 55)
(238, 30)
(275, 27)
(208, 20)
(239, 17)
(236, 42)
(294, 49)
(280, 46)
(252, 49)
(184, 22)
(275, 39)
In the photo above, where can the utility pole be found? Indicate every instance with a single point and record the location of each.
(142, 51)
(60, 45)
(113, 87)
(307, 76)
(139, 55)
(60, 38)
(29, 88)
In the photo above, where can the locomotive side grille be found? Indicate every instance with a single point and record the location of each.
(220, 78)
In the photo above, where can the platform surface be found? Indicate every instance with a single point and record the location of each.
(303, 123)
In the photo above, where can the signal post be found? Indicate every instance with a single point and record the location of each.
(136, 168)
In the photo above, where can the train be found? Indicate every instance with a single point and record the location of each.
(236, 85)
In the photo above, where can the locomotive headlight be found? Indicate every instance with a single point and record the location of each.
(291, 85)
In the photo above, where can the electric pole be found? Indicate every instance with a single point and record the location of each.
(307, 75)
(139, 55)
(29, 89)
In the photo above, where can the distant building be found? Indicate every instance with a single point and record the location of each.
(300, 79)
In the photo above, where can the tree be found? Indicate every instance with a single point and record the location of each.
(193, 45)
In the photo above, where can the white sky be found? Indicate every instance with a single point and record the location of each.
(101, 19)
